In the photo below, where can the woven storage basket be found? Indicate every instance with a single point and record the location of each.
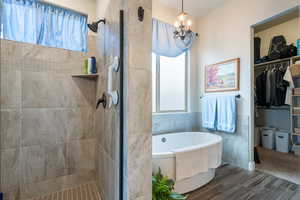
(296, 111)
(295, 70)
(296, 91)
(297, 130)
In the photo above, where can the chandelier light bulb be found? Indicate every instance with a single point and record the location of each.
(182, 17)
(183, 25)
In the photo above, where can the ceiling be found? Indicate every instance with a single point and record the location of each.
(196, 8)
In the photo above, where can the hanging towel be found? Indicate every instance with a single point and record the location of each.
(226, 114)
(289, 91)
(209, 112)
(190, 162)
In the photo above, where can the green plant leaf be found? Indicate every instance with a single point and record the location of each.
(175, 196)
(162, 188)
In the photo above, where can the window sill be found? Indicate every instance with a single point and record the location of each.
(169, 113)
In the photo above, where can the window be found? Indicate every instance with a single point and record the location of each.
(169, 83)
(40, 23)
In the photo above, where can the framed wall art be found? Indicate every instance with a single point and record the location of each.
(223, 76)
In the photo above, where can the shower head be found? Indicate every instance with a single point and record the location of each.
(94, 26)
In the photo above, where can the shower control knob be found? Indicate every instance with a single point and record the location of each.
(112, 98)
(102, 100)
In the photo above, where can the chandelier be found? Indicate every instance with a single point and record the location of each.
(182, 25)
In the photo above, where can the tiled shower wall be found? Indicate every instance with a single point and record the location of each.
(139, 101)
(108, 120)
(138, 111)
(47, 119)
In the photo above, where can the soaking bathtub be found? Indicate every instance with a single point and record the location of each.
(164, 156)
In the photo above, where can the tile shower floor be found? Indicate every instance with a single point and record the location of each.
(88, 191)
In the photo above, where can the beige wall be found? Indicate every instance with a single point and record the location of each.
(225, 33)
(289, 29)
(167, 14)
(229, 37)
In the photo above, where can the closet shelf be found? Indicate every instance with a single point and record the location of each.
(272, 62)
(89, 76)
(295, 58)
(273, 107)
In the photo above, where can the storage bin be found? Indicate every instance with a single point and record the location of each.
(283, 141)
(296, 110)
(296, 150)
(296, 91)
(268, 138)
(297, 130)
(295, 70)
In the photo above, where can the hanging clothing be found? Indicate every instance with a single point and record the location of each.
(281, 87)
(289, 91)
(268, 87)
(261, 89)
(271, 87)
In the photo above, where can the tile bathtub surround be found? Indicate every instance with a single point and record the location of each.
(175, 122)
(47, 118)
(235, 146)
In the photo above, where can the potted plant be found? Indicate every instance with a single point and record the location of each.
(163, 188)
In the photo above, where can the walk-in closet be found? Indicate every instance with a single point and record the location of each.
(277, 95)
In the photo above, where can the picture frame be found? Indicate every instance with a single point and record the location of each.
(223, 76)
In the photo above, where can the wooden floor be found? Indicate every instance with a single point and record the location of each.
(87, 191)
(233, 183)
(282, 165)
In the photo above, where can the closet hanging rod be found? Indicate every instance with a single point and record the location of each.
(272, 62)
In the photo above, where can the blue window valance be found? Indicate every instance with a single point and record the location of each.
(164, 43)
(43, 24)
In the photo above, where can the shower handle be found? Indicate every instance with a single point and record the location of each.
(102, 100)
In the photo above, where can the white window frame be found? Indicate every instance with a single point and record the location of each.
(186, 92)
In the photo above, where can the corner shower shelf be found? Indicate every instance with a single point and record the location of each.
(89, 76)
